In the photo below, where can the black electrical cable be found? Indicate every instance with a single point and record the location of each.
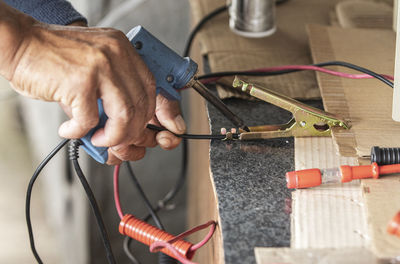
(323, 64)
(146, 201)
(193, 136)
(279, 2)
(29, 195)
(357, 68)
(199, 25)
(179, 184)
(74, 155)
(128, 253)
(204, 20)
(163, 259)
(182, 178)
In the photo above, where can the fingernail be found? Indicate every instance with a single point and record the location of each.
(180, 123)
(98, 140)
(117, 147)
(165, 142)
(68, 129)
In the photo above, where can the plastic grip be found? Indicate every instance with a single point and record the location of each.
(171, 72)
(385, 156)
(303, 178)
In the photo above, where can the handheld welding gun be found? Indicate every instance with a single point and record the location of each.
(171, 72)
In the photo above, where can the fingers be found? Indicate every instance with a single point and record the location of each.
(168, 114)
(167, 141)
(123, 153)
(85, 116)
(129, 100)
(124, 129)
(127, 116)
(99, 63)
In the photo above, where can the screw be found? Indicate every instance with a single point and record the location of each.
(303, 123)
(170, 78)
(138, 45)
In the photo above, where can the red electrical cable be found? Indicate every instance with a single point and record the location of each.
(157, 239)
(160, 244)
(306, 67)
(116, 192)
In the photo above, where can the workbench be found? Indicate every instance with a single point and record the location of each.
(242, 185)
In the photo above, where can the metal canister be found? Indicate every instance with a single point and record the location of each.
(252, 18)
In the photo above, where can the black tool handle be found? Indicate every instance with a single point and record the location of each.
(385, 156)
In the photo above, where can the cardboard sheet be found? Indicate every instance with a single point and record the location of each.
(330, 216)
(368, 103)
(364, 14)
(289, 45)
(382, 201)
(314, 256)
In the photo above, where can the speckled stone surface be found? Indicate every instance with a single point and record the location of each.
(254, 203)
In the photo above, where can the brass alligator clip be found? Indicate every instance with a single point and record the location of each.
(307, 121)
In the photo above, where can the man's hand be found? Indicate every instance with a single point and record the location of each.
(75, 66)
(168, 115)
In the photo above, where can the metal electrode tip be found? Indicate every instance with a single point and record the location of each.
(215, 101)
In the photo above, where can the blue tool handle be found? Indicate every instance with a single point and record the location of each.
(100, 154)
(171, 72)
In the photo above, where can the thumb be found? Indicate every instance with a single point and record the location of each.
(85, 116)
(169, 115)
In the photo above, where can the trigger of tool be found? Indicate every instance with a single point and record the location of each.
(306, 121)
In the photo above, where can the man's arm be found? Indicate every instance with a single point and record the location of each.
(58, 12)
(75, 66)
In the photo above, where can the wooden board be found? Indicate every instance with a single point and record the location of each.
(202, 201)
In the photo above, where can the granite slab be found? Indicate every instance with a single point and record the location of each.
(254, 203)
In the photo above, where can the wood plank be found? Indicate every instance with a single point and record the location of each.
(202, 201)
